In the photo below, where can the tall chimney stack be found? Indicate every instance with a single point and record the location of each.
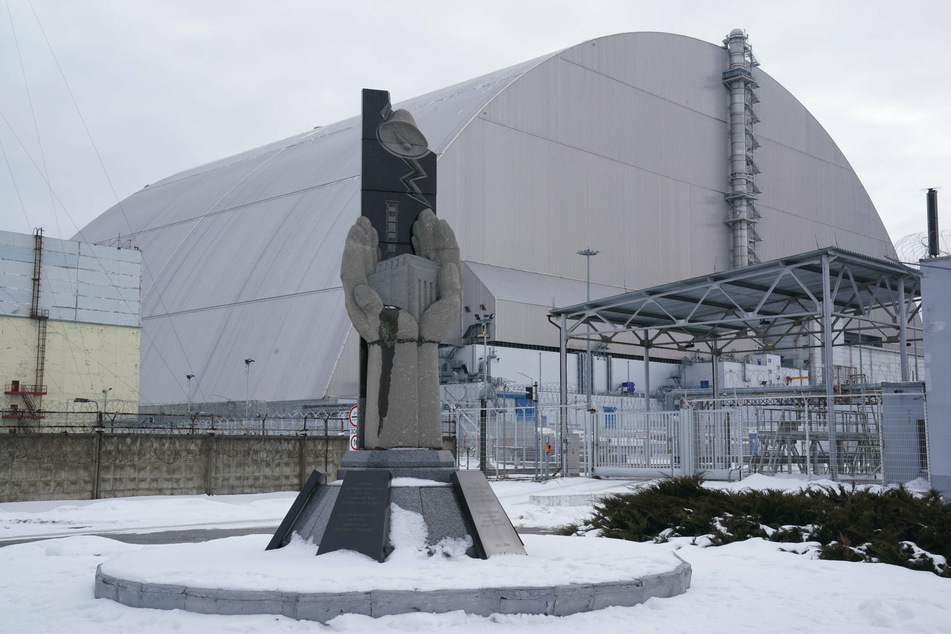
(933, 223)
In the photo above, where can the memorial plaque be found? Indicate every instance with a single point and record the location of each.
(282, 535)
(492, 532)
(360, 518)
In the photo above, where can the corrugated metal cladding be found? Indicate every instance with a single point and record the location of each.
(619, 144)
(78, 282)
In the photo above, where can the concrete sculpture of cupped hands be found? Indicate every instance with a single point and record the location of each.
(434, 239)
(402, 404)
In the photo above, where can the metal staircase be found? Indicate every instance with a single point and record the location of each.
(27, 393)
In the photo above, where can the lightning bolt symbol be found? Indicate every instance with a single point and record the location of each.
(409, 180)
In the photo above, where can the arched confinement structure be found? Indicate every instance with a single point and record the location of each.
(621, 144)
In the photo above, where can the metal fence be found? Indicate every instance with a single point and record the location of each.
(540, 440)
(330, 422)
(870, 437)
(878, 436)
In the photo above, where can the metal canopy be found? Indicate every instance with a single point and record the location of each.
(869, 297)
(822, 294)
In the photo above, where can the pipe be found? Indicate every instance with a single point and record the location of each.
(933, 249)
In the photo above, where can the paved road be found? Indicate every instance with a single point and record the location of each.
(192, 535)
(184, 536)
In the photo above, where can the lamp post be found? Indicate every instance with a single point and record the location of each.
(247, 388)
(188, 391)
(589, 365)
(486, 321)
(105, 399)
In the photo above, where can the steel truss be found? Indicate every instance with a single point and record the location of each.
(818, 297)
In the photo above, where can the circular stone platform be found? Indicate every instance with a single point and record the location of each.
(560, 576)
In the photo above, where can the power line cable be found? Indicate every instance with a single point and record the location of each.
(36, 128)
(115, 195)
(15, 186)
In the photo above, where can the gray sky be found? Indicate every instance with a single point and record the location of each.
(165, 86)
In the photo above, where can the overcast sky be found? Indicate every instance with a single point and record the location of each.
(165, 86)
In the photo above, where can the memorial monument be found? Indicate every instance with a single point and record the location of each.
(402, 286)
(401, 277)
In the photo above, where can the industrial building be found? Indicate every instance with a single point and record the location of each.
(658, 157)
(69, 327)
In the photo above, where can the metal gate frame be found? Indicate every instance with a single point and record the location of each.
(668, 443)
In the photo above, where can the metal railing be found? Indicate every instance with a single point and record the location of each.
(331, 422)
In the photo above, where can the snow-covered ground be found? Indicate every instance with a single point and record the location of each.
(753, 586)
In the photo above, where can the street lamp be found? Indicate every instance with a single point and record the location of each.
(486, 320)
(105, 399)
(188, 391)
(247, 383)
(588, 254)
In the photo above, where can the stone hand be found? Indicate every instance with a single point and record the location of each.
(359, 257)
(434, 239)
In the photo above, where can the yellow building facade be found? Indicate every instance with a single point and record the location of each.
(69, 332)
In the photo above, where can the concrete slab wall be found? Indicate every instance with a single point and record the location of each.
(91, 466)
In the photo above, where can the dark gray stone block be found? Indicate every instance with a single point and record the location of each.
(360, 517)
(442, 514)
(492, 530)
(312, 521)
(425, 464)
(407, 498)
(283, 533)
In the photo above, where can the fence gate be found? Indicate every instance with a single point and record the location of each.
(719, 442)
(654, 444)
(638, 444)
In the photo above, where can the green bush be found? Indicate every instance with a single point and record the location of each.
(849, 523)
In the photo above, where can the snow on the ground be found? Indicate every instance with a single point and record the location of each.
(22, 520)
(752, 586)
(516, 497)
(553, 561)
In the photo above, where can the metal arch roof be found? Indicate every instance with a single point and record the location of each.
(241, 255)
(769, 299)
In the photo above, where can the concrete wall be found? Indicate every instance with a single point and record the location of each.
(82, 360)
(92, 466)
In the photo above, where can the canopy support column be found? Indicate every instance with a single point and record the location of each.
(828, 367)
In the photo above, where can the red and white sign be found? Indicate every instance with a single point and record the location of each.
(354, 420)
